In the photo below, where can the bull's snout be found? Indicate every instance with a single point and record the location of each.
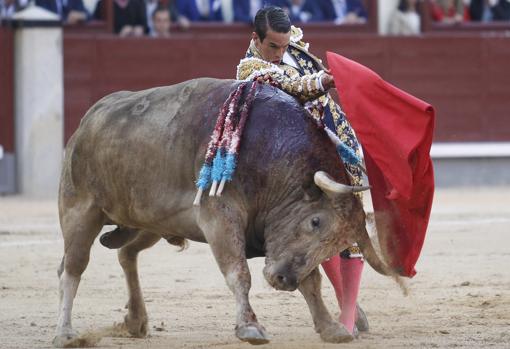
(285, 282)
(282, 279)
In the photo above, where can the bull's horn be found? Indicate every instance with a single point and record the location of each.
(367, 248)
(326, 183)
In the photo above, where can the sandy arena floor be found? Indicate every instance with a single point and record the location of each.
(459, 298)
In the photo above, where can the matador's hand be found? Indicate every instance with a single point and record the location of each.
(327, 81)
(267, 79)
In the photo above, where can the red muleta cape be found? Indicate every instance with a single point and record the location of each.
(395, 130)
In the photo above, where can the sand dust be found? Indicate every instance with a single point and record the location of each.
(460, 297)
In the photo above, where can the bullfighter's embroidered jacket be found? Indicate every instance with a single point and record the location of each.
(304, 83)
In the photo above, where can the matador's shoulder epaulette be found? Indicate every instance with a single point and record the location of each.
(296, 37)
(251, 67)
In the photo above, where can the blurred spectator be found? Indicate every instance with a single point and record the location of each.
(448, 11)
(242, 10)
(161, 20)
(227, 9)
(245, 10)
(130, 17)
(340, 11)
(255, 6)
(298, 10)
(301, 10)
(70, 11)
(10, 7)
(200, 10)
(405, 20)
(150, 7)
(489, 10)
(175, 15)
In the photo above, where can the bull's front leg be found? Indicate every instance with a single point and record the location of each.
(330, 331)
(224, 231)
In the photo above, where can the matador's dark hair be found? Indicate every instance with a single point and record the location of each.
(271, 17)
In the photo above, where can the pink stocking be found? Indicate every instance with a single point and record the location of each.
(332, 269)
(350, 270)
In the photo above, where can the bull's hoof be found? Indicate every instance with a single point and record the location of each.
(361, 319)
(64, 337)
(136, 327)
(64, 341)
(253, 334)
(336, 333)
(72, 340)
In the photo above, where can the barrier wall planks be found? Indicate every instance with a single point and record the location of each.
(464, 76)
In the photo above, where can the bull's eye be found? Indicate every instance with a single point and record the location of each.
(316, 222)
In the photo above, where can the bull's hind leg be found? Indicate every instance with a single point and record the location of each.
(224, 231)
(329, 330)
(136, 320)
(80, 224)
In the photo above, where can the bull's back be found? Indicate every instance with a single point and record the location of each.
(139, 148)
(137, 153)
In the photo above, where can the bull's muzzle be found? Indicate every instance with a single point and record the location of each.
(281, 279)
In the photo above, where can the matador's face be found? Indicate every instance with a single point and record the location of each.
(273, 46)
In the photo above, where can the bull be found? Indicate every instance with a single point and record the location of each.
(134, 160)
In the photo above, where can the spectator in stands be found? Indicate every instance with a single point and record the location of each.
(70, 11)
(200, 10)
(340, 11)
(218, 10)
(242, 10)
(161, 20)
(448, 11)
(298, 10)
(489, 10)
(236, 10)
(245, 10)
(150, 7)
(10, 7)
(301, 10)
(175, 15)
(405, 20)
(130, 17)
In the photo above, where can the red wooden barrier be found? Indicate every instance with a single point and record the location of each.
(464, 76)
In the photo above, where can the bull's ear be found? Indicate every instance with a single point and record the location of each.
(334, 189)
(311, 192)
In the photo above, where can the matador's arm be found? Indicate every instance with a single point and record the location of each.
(304, 88)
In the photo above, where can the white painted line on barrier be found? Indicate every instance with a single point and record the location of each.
(468, 222)
(470, 150)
